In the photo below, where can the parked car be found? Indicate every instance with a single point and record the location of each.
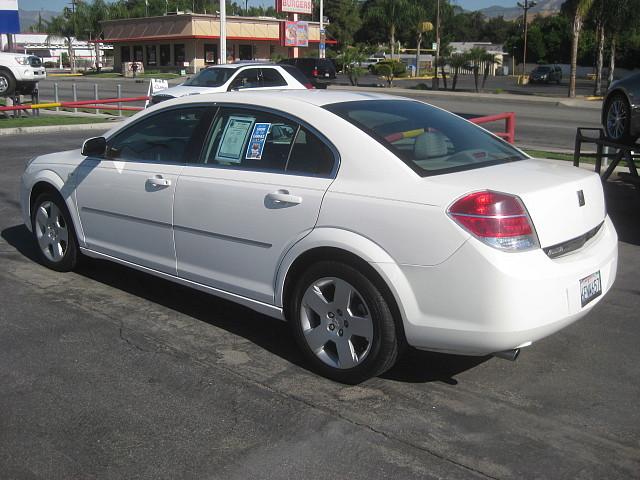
(319, 71)
(367, 221)
(371, 62)
(546, 74)
(621, 110)
(237, 76)
(19, 73)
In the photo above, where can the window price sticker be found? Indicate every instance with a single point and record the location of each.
(233, 138)
(257, 141)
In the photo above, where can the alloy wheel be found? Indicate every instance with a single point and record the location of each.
(51, 231)
(617, 116)
(4, 84)
(336, 323)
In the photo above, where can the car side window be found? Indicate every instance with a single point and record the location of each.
(249, 140)
(161, 137)
(272, 78)
(249, 78)
(310, 155)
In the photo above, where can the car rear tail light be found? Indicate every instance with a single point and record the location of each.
(309, 86)
(314, 72)
(498, 219)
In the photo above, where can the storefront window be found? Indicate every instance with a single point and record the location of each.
(210, 53)
(151, 55)
(165, 55)
(178, 53)
(137, 53)
(246, 52)
(125, 53)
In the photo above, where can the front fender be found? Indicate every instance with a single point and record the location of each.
(66, 189)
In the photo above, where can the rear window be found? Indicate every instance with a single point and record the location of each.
(296, 73)
(210, 77)
(429, 140)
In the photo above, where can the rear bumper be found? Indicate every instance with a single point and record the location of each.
(482, 300)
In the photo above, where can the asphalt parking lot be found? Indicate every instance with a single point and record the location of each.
(110, 373)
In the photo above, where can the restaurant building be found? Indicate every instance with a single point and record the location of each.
(191, 41)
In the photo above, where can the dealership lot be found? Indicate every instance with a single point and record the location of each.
(111, 373)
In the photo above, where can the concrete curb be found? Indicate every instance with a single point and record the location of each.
(57, 128)
(479, 97)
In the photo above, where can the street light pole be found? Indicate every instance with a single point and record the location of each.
(223, 32)
(528, 4)
(436, 81)
(321, 44)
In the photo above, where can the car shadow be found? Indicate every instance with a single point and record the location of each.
(268, 333)
(623, 206)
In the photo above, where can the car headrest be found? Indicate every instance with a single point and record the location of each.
(429, 145)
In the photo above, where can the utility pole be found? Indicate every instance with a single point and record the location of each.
(436, 81)
(223, 32)
(528, 4)
(321, 44)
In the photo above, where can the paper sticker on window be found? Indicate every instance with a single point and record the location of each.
(233, 139)
(257, 141)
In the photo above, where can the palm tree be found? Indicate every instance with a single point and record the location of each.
(63, 26)
(578, 9)
(89, 18)
(392, 14)
(456, 62)
(488, 60)
(477, 57)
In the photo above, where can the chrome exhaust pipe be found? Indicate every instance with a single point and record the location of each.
(511, 355)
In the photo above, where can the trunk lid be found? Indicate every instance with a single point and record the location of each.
(550, 192)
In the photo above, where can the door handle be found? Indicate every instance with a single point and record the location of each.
(283, 196)
(158, 181)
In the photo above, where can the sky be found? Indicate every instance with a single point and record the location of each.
(57, 5)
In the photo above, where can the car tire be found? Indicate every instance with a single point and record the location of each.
(54, 234)
(7, 84)
(343, 323)
(617, 118)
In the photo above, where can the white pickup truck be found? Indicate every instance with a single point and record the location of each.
(19, 73)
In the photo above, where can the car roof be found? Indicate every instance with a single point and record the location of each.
(243, 65)
(313, 97)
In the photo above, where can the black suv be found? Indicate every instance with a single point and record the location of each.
(320, 71)
(546, 74)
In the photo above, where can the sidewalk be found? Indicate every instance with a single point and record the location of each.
(472, 96)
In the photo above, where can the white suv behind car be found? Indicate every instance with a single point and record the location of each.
(19, 73)
(237, 76)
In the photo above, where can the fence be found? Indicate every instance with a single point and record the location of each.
(510, 124)
(107, 104)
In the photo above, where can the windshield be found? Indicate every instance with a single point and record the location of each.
(429, 140)
(542, 69)
(210, 77)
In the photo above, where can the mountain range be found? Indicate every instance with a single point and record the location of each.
(543, 7)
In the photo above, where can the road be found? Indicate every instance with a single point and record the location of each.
(110, 373)
(538, 125)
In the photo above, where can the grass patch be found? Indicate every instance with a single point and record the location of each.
(555, 156)
(46, 121)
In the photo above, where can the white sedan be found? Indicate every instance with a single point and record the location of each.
(237, 76)
(367, 221)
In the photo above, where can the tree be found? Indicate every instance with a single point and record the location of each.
(578, 10)
(351, 58)
(392, 14)
(344, 20)
(477, 57)
(89, 18)
(456, 62)
(63, 26)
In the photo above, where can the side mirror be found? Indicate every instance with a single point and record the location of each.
(94, 147)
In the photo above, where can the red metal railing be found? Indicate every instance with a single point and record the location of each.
(510, 124)
(104, 104)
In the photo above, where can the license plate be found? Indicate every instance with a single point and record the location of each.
(590, 288)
